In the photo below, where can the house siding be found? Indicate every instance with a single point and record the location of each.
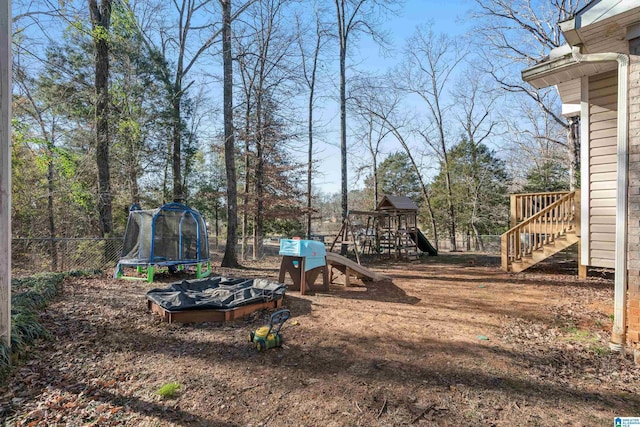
(603, 114)
(633, 225)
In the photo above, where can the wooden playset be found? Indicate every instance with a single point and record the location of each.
(390, 230)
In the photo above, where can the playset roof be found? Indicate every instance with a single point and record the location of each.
(401, 203)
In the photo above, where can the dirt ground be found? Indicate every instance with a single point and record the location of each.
(450, 340)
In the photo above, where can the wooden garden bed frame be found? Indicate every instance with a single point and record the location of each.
(202, 316)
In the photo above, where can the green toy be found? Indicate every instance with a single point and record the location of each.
(269, 336)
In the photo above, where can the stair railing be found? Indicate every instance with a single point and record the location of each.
(544, 227)
(526, 205)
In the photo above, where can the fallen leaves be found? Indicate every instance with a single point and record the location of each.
(389, 354)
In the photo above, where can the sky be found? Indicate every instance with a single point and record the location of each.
(446, 17)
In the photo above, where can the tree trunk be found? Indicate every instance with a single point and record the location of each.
(247, 175)
(343, 137)
(312, 89)
(374, 160)
(479, 244)
(217, 226)
(53, 249)
(447, 179)
(258, 226)
(178, 195)
(134, 190)
(343, 131)
(101, 20)
(132, 171)
(310, 161)
(259, 217)
(230, 258)
(165, 177)
(376, 196)
(342, 36)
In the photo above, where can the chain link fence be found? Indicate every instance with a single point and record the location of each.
(491, 244)
(35, 255)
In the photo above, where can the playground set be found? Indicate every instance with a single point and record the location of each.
(391, 230)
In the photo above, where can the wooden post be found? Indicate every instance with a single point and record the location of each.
(504, 252)
(5, 171)
(582, 269)
(514, 211)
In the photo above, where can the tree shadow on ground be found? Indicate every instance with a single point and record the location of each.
(380, 291)
(520, 279)
(315, 352)
(166, 411)
(336, 358)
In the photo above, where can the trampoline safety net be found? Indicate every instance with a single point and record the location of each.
(169, 234)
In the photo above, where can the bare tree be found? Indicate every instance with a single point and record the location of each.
(521, 32)
(5, 173)
(354, 17)
(191, 23)
(248, 76)
(309, 62)
(474, 115)
(384, 104)
(535, 138)
(427, 72)
(266, 62)
(373, 128)
(183, 42)
(375, 133)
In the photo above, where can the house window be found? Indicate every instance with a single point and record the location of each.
(634, 46)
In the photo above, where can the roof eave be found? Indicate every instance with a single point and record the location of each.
(534, 75)
(569, 30)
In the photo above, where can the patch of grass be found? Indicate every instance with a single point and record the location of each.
(611, 317)
(571, 329)
(169, 390)
(581, 335)
(601, 351)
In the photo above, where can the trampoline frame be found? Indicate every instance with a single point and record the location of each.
(150, 265)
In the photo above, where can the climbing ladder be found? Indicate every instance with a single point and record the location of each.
(406, 244)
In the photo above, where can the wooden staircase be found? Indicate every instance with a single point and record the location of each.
(546, 223)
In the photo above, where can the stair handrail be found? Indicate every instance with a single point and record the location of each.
(512, 249)
(523, 205)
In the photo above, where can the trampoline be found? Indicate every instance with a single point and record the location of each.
(173, 236)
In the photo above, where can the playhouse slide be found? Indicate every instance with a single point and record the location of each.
(424, 245)
(335, 259)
